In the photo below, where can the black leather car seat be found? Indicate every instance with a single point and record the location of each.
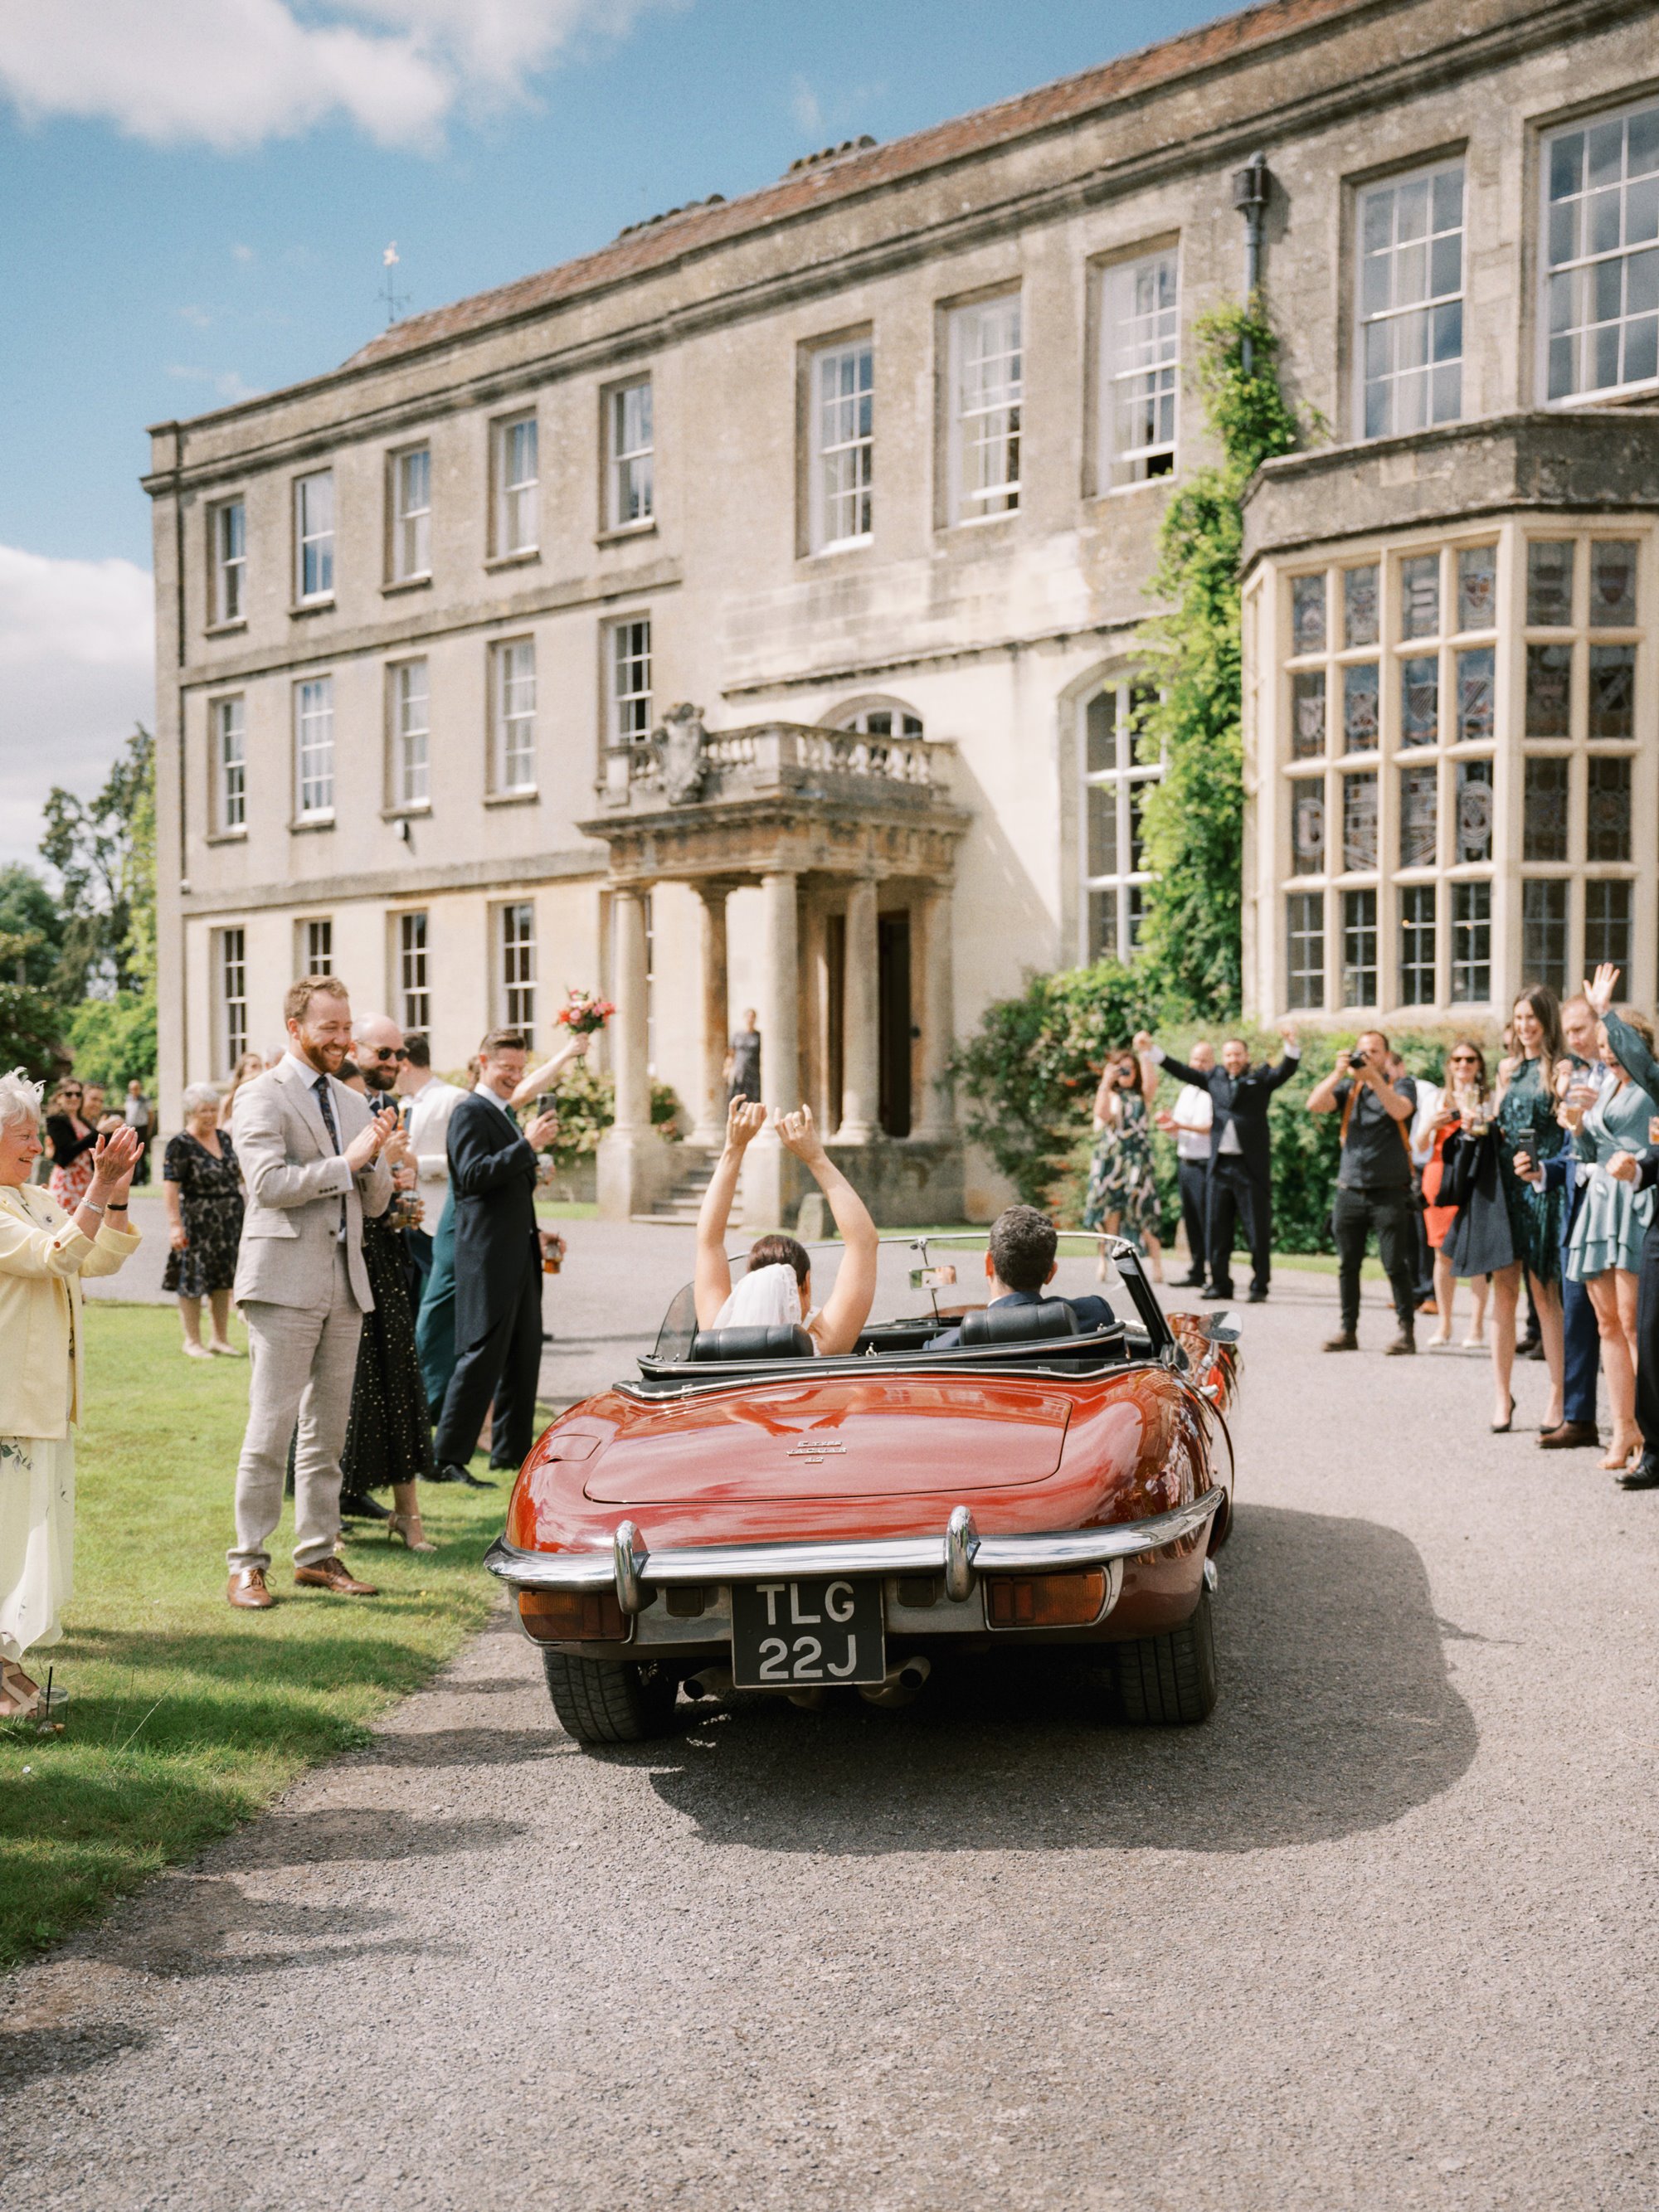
(1019, 1324)
(755, 1342)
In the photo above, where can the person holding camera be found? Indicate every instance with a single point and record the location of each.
(1373, 1183)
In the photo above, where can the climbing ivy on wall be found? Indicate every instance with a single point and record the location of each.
(1193, 823)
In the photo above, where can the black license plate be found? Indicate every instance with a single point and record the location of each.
(816, 1629)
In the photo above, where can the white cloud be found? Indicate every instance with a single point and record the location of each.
(241, 253)
(805, 107)
(197, 318)
(227, 384)
(232, 73)
(76, 672)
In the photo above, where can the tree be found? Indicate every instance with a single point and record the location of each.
(31, 926)
(1194, 822)
(31, 1020)
(104, 852)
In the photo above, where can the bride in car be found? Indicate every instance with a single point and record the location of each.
(777, 1291)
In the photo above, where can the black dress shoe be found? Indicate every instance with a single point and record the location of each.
(1190, 1282)
(1644, 1475)
(355, 1506)
(1213, 1296)
(478, 1481)
(1258, 1298)
(450, 1473)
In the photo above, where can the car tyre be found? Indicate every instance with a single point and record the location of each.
(610, 1701)
(1169, 1681)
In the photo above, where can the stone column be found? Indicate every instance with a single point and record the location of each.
(716, 1017)
(936, 1109)
(771, 1178)
(860, 1102)
(632, 1166)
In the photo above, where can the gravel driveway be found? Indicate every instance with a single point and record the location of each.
(1382, 1933)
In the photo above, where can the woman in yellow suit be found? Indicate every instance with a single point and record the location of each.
(44, 1253)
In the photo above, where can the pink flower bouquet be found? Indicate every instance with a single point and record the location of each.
(584, 1014)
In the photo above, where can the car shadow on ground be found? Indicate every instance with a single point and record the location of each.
(1336, 1715)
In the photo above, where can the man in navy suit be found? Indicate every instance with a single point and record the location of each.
(1020, 1263)
(1241, 1155)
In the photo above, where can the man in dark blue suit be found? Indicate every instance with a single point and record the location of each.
(1020, 1263)
(1240, 1154)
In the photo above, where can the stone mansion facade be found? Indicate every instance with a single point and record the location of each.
(746, 614)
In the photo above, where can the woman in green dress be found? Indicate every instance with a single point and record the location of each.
(1526, 1122)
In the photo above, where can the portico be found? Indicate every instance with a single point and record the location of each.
(851, 840)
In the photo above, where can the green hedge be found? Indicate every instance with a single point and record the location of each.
(1028, 1079)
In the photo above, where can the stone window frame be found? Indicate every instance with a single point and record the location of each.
(513, 994)
(1389, 876)
(227, 959)
(1544, 136)
(411, 975)
(502, 547)
(615, 456)
(1125, 679)
(227, 607)
(952, 316)
(320, 816)
(633, 728)
(1426, 166)
(398, 800)
(498, 790)
(314, 944)
(407, 525)
(305, 536)
(861, 345)
(1107, 480)
(225, 799)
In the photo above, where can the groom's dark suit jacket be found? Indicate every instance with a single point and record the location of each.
(1240, 1104)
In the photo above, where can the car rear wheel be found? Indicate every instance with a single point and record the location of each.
(610, 1701)
(1169, 1680)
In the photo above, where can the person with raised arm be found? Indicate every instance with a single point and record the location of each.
(777, 1291)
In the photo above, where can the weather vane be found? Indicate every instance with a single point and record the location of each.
(394, 301)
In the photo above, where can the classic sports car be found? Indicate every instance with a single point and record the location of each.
(747, 1515)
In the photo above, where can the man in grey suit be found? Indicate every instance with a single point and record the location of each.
(309, 1150)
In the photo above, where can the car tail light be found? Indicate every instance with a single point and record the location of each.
(1045, 1601)
(556, 1616)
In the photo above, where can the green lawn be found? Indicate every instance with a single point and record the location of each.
(184, 1716)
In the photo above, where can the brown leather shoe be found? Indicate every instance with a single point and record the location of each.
(1569, 1437)
(332, 1574)
(1404, 1343)
(1344, 1341)
(247, 1588)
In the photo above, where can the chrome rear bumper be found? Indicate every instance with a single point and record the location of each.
(959, 1553)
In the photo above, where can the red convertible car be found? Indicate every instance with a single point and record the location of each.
(745, 1515)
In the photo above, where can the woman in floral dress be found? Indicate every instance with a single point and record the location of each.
(1123, 1197)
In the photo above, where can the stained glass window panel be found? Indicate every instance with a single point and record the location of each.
(1476, 678)
(1308, 713)
(1471, 979)
(1544, 811)
(1308, 826)
(1549, 583)
(1359, 948)
(1359, 707)
(1474, 810)
(1359, 612)
(1358, 823)
(1549, 690)
(1419, 700)
(1417, 904)
(1613, 584)
(1606, 814)
(1304, 944)
(1477, 587)
(1606, 922)
(1419, 596)
(1307, 614)
(1544, 932)
(1612, 691)
(1418, 815)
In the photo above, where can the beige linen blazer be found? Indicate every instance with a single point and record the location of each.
(295, 1180)
(43, 1256)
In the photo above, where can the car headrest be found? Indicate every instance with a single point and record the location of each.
(1019, 1324)
(759, 1341)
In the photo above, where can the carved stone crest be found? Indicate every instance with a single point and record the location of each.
(678, 746)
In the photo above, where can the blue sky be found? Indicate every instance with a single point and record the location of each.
(198, 197)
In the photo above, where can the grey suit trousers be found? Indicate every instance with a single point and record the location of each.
(304, 1362)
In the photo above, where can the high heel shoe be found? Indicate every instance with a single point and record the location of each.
(20, 1697)
(397, 1529)
(1502, 1428)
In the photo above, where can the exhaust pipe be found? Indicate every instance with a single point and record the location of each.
(902, 1686)
(708, 1682)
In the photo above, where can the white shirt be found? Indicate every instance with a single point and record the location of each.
(1429, 1096)
(1197, 1107)
(429, 1109)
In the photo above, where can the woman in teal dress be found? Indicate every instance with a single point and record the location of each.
(1526, 1122)
(1122, 1197)
(1605, 1250)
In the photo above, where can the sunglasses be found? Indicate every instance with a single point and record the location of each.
(387, 1052)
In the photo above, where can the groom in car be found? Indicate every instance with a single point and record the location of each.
(1020, 1264)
